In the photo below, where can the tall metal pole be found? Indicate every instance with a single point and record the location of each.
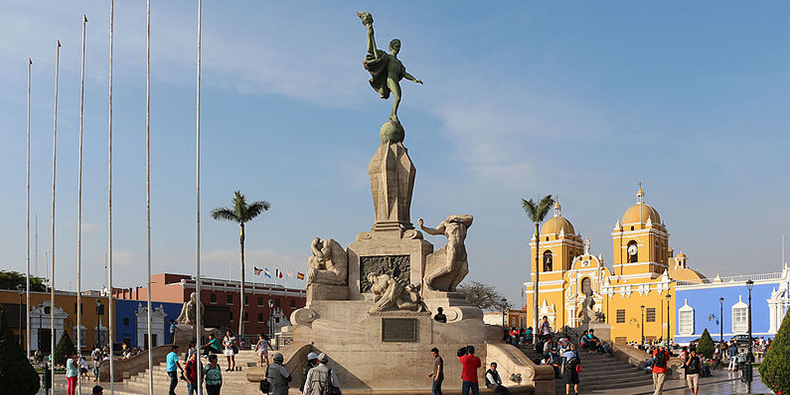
(198, 315)
(721, 321)
(52, 240)
(535, 308)
(643, 325)
(109, 215)
(79, 206)
(27, 211)
(148, 187)
(750, 356)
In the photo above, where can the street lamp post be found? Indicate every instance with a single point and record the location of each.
(669, 320)
(750, 356)
(721, 321)
(99, 313)
(643, 325)
(504, 312)
(21, 289)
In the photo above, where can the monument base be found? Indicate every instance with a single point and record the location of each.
(320, 291)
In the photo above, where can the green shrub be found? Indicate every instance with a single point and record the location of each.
(63, 350)
(775, 369)
(15, 369)
(705, 347)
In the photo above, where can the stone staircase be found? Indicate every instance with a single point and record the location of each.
(232, 382)
(601, 373)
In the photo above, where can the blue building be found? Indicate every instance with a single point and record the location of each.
(132, 326)
(723, 301)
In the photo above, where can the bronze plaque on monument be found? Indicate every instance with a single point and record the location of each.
(399, 330)
(397, 266)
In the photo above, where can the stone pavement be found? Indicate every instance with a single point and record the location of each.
(722, 383)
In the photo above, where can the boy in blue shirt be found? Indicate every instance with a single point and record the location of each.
(172, 365)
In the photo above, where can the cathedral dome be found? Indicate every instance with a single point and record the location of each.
(641, 211)
(557, 223)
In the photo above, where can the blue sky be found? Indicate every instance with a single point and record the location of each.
(521, 99)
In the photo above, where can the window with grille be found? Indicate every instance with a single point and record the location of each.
(213, 298)
(230, 299)
(245, 317)
(260, 301)
(293, 303)
(260, 317)
(739, 319)
(277, 302)
(650, 314)
(246, 300)
(686, 322)
(621, 316)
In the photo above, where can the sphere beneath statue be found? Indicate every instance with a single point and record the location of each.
(392, 132)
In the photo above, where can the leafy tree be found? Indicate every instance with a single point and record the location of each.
(16, 372)
(705, 346)
(12, 279)
(64, 349)
(537, 211)
(484, 296)
(775, 369)
(241, 213)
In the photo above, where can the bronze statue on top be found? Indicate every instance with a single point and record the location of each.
(386, 70)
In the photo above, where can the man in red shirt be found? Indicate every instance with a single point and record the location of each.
(470, 363)
(660, 360)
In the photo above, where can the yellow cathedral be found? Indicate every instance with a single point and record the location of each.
(635, 296)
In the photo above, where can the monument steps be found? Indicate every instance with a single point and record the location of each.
(600, 373)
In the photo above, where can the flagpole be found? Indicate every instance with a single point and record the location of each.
(27, 210)
(148, 187)
(79, 205)
(52, 247)
(198, 316)
(109, 214)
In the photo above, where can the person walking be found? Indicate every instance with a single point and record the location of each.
(190, 351)
(213, 375)
(570, 361)
(545, 329)
(693, 369)
(469, 365)
(320, 378)
(190, 374)
(173, 366)
(660, 359)
(438, 372)
(229, 342)
(312, 361)
(277, 376)
(72, 371)
(733, 352)
(262, 348)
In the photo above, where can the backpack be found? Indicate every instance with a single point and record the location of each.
(572, 363)
(660, 360)
(330, 389)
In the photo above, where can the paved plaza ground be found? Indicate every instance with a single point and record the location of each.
(723, 383)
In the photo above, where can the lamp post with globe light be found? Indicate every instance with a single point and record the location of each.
(669, 319)
(721, 321)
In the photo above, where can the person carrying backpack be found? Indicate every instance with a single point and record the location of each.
(660, 360)
(571, 365)
(693, 370)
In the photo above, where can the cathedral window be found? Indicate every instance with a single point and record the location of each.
(586, 286)
(547, 261)
(633, 252)
(686, 320)
(740, 316)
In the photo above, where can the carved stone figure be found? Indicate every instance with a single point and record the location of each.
(189, 310)
(386, 70)
(587, 313)
(394, 294)
(448, 266)
(329, 263)
(586, 246)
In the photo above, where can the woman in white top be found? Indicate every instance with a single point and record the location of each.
(230, 342)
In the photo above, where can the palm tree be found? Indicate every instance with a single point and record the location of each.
(537, 213)
(241, 213)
